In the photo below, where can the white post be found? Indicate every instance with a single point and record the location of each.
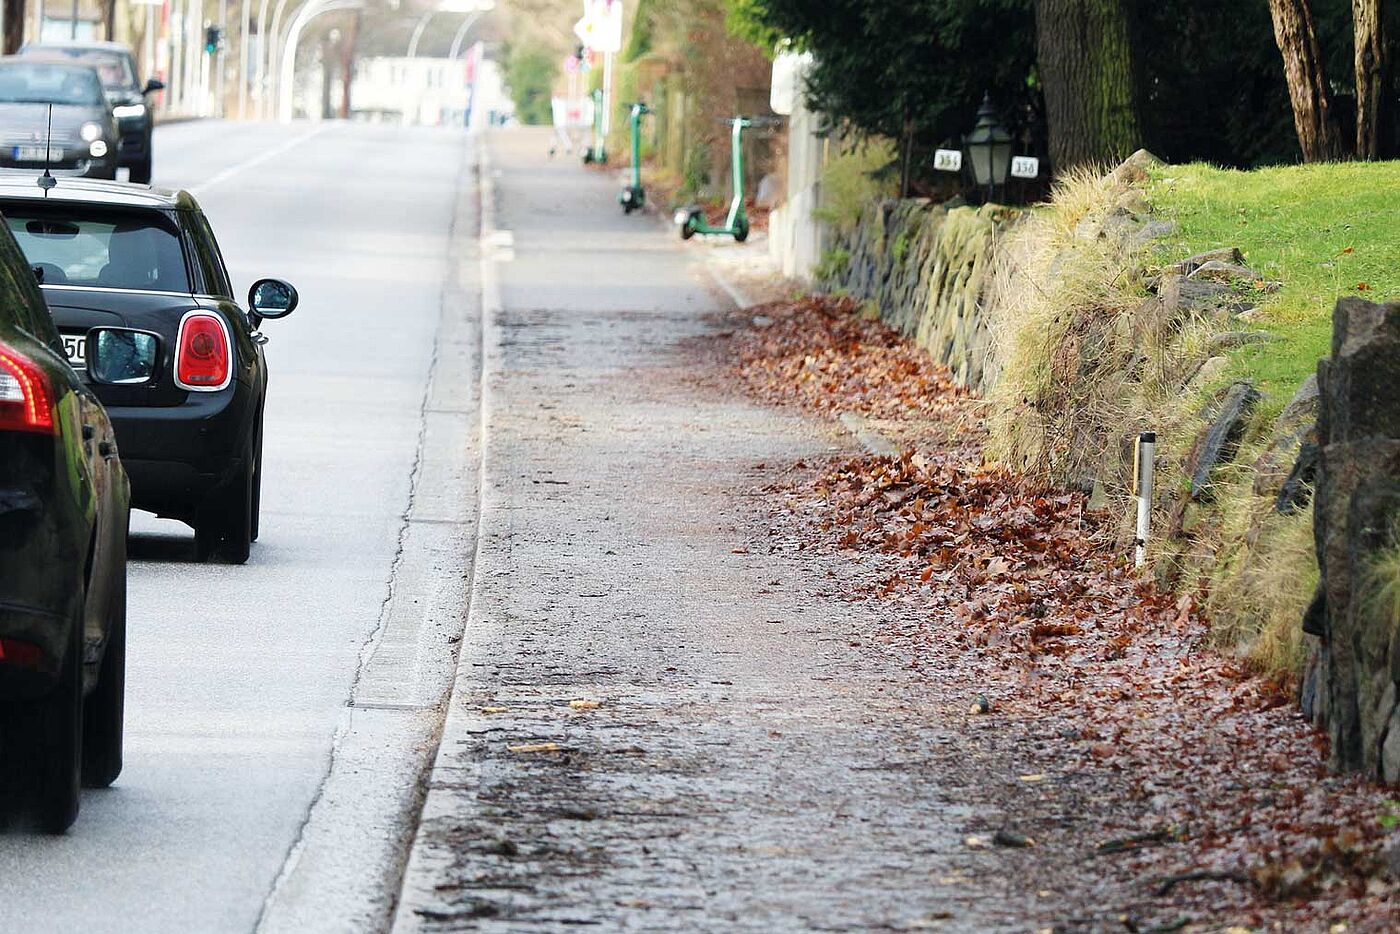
(194, 51)
(150, 43)
(220, 58)
(259, 67)
(607, 94)
(245, 10)
(1144, 468)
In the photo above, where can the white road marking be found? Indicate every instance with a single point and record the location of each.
(220, 177)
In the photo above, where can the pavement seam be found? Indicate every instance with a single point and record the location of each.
(372, 640)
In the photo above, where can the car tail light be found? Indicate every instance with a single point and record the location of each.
(202, 352)
(21, 653)
(26, 398)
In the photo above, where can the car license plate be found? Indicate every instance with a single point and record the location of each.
(36, 154)
(75, 346)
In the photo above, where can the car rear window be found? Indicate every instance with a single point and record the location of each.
(74, 245)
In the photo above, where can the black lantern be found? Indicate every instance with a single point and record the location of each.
(989, 148)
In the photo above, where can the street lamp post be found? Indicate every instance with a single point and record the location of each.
(306, 14)
(418, 33)
(482, 8)
(989, 148)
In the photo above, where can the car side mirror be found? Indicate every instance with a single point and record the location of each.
(121, 356)
(152, 86)
(272, 298)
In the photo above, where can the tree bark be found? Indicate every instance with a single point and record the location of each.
(14, 26)
(1086, 68)
(347, 62)
(1296, 37)
(1367, 15)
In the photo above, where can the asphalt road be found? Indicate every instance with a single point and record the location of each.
(239, 678)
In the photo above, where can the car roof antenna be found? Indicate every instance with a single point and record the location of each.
(47, 181)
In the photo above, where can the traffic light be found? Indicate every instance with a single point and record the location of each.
(213, 39)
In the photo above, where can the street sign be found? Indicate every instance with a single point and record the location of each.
(948, 160)
(601, 26)
(1025, 167)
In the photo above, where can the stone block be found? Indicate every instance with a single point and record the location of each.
(1221, 439)
(1355, 512)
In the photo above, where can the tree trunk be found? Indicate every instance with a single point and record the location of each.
(1370, 76)
(14, 27)
(347, 63)
(1307, 83)
(906, 154)
(1086, 68)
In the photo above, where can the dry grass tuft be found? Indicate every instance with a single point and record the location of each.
(1087, 358)
(1263, 580)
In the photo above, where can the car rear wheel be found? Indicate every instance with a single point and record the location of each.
(257, 486)
(225, 527)
(44, 743)
(141, 171)
(102, 711)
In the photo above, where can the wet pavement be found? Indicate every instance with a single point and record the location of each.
(665, 719)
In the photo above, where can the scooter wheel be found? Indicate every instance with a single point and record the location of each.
(741, 232)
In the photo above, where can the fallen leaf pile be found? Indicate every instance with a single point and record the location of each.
(818, 353)
(1199, 791)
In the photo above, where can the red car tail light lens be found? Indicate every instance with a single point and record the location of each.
(202, 352)
(26, 398)
(23, 654)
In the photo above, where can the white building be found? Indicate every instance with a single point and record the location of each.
(421, 91)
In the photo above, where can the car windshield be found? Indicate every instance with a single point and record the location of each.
(41, 83)
(77, 245)
(113, 68)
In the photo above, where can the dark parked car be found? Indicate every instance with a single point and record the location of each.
(63, 527)
(116, 66)
(55, 116)
(117, 255)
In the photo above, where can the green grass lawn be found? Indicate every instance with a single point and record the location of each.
(1325, 231)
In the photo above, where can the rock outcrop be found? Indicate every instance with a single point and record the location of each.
(1356, 669)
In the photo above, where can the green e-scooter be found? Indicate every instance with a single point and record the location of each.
(597, 152)
(634, 196)
(691, 220)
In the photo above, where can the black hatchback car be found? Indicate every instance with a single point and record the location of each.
(116, 67)
(114, 255)
(63, 525)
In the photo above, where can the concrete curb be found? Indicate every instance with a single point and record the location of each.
(418, 896)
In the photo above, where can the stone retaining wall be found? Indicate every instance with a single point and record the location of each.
(927, 267)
